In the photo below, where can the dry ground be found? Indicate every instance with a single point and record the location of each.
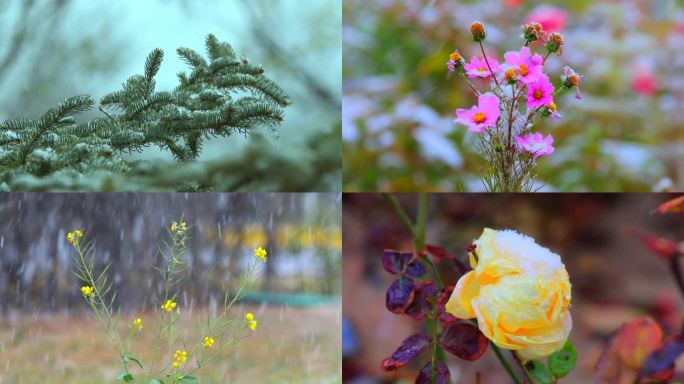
(291, 345)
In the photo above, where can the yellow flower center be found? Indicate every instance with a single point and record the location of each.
(482, 69)
(523, 69)
(574, 80)
(537, 94)
(479, 117)
(510, 74)
(455, 56)
(552, 106)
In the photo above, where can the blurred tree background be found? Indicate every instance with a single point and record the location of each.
(398, 105)
(56, 49)
(300, 231)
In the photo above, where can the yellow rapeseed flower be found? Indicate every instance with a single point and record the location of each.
(88, 291)
(179, 227)
(73, 236)
(251, 323)
(208, 341)
(519, 292)
(168, 306)
(137, 323)
(176, 364)
(260, 253)
(180, 355)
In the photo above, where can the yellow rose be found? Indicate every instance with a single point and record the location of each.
(519, 292)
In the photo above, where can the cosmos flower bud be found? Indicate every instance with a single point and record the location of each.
(477, 29)
(455, 61)
(572, 79)
(551, 111)
(532, 32)
(519, 292)
(555, 43)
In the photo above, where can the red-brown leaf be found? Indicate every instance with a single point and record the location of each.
(464, 340)
(411, 347)
(626, 351)
(671, 206)
(442, 374)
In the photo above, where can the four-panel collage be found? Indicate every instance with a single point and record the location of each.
(341, 191)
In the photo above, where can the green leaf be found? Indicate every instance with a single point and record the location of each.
(189, 379)
(539, 371)
(127, 377)
(137, 361)
(563, 361)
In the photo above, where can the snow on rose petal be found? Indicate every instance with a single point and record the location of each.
(519, 292)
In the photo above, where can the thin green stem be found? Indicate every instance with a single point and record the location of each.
(112, 334)
(400, 211)
(421, 221)
(505, 363)
(435, 272)
(522, 366)
(433, 378)
(488, 66)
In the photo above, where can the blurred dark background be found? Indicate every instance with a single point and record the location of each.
(300, 231)
(614, 278)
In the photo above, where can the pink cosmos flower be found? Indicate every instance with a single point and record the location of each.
(480, 116)
(645, 82)
(478, 68)
(551, 18)
(513, 3)
(528, 66)
(536, 144)
(539, 92)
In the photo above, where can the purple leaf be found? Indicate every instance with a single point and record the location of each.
(464, 340)
(415, 269)
(662, 361)
(420, 306)
(407, 351)
(425, 376)
(394, 262)
(400, 295)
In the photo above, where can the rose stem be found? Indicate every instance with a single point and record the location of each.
(505, 363)
(522, 366)
(417, 231)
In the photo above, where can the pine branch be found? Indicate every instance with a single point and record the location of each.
(217, 98)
